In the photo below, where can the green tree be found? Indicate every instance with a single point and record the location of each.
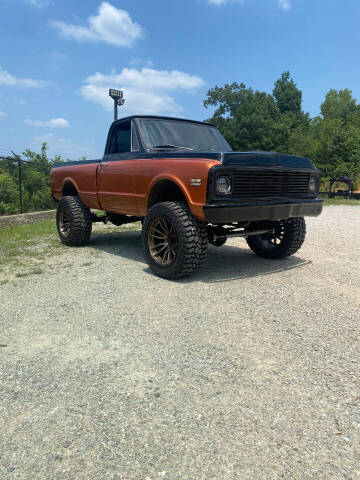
(40, 160)
(253, 120)
(336, 135)
(249, 120)
(35, 181)
(288, 97)
(340, 105)
(8, 194)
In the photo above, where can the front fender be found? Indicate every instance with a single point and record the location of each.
(195, 196)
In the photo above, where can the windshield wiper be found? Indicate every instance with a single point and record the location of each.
(171, 146)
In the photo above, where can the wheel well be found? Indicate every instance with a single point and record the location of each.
(69, 190)
(166, 191)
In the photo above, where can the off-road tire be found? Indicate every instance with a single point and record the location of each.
(79, 221)
(192, 242)
(294, 231)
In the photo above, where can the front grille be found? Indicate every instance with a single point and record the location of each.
(270, 183)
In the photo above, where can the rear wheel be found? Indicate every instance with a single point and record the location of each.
(286, 239)
(174, 242)
(73, 221)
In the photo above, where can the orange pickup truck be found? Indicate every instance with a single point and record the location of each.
(188, 188)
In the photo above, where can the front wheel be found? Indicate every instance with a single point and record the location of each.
(174, 242)
(286, 239)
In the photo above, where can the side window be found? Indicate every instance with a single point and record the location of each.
(134, 141)
(120, 141)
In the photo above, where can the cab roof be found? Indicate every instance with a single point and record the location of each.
(160, 117)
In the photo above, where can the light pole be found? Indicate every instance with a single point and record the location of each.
(119, 100)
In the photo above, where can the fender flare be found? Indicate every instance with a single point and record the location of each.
(69, 180)
(172, 179)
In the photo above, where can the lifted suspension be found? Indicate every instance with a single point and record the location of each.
(218, 234)
(114, 218)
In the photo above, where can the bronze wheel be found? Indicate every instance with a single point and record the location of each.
(73, 221)
(174, 242)
(162, 241)
(64, 223)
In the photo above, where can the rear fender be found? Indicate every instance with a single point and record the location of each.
(67, 182)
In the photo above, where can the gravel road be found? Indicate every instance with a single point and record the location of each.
(248, 370)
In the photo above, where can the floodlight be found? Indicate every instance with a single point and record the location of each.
(119, 100)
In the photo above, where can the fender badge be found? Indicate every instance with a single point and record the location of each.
(195, 182)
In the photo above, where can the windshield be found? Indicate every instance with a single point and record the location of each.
(172, 134)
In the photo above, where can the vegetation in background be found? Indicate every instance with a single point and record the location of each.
(254, 120)
(340, 201)
(35, 182)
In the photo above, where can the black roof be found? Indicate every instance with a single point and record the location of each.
(160, 117)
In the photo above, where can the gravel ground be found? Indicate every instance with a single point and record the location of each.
(247, 370)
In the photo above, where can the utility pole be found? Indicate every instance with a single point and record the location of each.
(20, 180)
(119, 100)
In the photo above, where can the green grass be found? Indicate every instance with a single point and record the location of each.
(340, 201)
(35, 271)
(27, 231)
(25, 249)
(22, 274)
(86, 264)
(26, 246)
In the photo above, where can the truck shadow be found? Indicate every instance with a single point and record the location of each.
(227, 263)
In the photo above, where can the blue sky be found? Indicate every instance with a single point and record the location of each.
(59, 57)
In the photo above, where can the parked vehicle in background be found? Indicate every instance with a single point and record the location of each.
(349, 193)
(186, 185)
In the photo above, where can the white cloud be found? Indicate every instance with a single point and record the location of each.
(285, 4)
(65, 147)
(3, 114)
(146, 91)
(23, 83)
(53, 123)
(39, 3)
(110, 25)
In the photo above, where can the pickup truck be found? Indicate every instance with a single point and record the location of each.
(181, 179)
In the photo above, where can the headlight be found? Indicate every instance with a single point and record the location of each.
(223, 186)
(313, 184)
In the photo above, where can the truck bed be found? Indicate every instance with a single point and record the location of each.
(75, 162)
(79, 174)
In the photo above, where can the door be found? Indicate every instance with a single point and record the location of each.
(115, 172)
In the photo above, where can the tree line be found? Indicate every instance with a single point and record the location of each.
(249, 120)
(35, 169)
(254, 120)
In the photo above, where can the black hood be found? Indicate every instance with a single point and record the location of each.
(246, 159)
(255, 159)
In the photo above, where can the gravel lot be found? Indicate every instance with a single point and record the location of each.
(248, 370)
